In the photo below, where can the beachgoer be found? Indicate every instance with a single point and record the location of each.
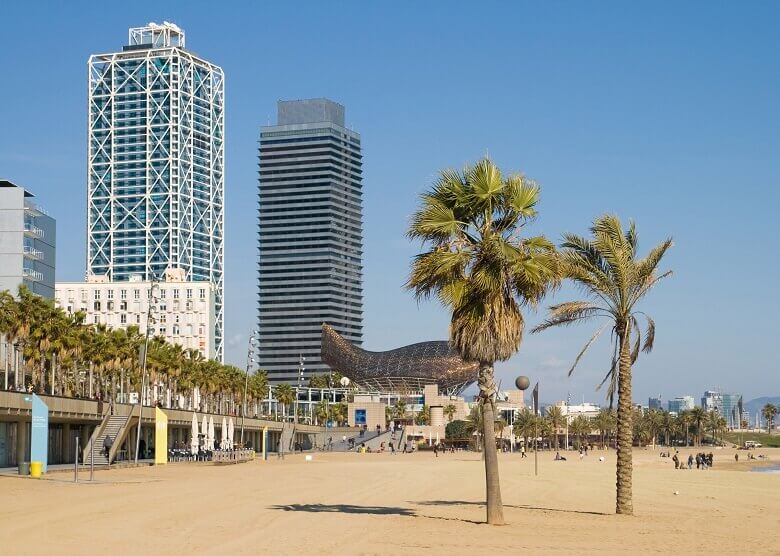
(378, 429)
(107, 443)
(676, 461)
(436, 450)
(690, 461)
(522, 452)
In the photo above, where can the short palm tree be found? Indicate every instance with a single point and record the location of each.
(604, 421)
(482, 270)
(285, 395)
(581, 427)
(525, 425)
(615, 281)
(449, 411)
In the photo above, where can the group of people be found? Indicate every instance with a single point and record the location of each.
(702, 460)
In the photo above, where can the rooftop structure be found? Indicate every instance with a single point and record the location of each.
(409, 368)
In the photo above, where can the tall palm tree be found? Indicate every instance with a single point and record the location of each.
(768, 412)
(285, 395)
(557, 420)
(615, 281)
(655, 424)
(604, 421)
(580, 427)
(525, 425)
(698, 417)
(482, 270)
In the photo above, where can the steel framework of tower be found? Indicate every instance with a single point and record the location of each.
(156, 163)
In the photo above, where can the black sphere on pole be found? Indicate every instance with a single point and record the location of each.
(522, 382)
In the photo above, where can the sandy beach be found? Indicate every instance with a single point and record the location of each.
(402, 504)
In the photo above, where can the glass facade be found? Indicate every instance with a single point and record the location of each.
(156, 163)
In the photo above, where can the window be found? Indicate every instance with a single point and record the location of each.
(202, 293)
(136, 294)
(96, 306)
(163, 331)
(176, 294)
(123, 319)
(175, 329)
(163, 293)
(110, 294)
(96, 294)
(163, 306)
(96, 319)
(176, 319)
(162, 318)
(110, 305)
(123, 305)
(83, 295)
(123, 294)
(189, 293)
(189, 306)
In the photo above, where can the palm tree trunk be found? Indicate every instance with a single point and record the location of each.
(624, 504)
(487, 394)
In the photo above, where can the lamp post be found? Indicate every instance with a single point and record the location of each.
(250, 359)
(149, 321)
(301, 368)
(345, 384)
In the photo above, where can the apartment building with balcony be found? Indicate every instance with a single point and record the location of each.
(28, 239)
(183, 310)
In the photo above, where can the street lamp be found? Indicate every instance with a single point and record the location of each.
(250, 359)
(301, 368)
(149, 321)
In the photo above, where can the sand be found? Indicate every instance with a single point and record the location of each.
(402, 504)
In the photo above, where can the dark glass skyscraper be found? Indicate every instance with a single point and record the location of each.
(310, 239)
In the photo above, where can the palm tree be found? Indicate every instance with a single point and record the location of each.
(580, 427)
(423, 417)
(698, 416)
(655, 423)
(557, 420)
(525, 425)
(449, 411)
(686, 420)
(607, 269)
(604, 421)
(768, 412)
(399, 409)
(482, 270)
(285, 395)
(322, 412)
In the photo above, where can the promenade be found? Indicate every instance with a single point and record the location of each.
(403, 504)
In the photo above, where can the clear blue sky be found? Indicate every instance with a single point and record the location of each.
(665, 113)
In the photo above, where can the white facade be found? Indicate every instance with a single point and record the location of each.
(570, 411)
(183, 311)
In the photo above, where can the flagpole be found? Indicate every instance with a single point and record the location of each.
(536, 429)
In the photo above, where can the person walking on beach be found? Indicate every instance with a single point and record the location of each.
(690, 461)
(436, 450)
(107, 443)
(279, 448)
(676, 461)
(522, 452)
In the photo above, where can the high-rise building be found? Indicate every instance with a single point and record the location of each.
(712, 400)
(156, 163)
(310, 237)
(655, 403)
(28, 240)
(183, 311)
(729, 409)
(680, 404)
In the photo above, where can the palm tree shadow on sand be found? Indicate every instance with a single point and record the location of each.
(352, 509)
(519, 507)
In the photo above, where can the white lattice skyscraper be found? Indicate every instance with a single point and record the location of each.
(156, 162)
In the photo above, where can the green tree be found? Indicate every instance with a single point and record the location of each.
(557, 421)
(423, 416)
(482, 270)
(449, 411)
(285, 395)
(580, 427)
(605, 422)
(458, 430)
(525, 426)
(698, 417)
(615, 281)
(769, 412)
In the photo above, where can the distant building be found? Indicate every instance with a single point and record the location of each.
(571, 411)
(712, 401)
(27, 242)
(184, 311)
(729, 409)
(680, 404)
(655, 403)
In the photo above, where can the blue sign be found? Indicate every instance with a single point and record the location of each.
(39, 437)
(360, 416)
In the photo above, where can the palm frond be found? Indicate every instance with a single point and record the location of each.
(649, 335)
(584, 349)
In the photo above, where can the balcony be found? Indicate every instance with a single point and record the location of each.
(33, 275)
(33, 253)
(32, 230)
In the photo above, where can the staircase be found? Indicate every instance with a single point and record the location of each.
(114, 426)
(287, 436)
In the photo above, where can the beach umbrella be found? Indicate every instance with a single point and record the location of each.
(230, 434)
(210, 437)
(194, 437)
(224, 442)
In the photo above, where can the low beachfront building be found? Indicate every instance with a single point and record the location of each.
(183, 311)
